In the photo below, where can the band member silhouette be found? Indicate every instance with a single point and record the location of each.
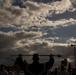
(35, 68)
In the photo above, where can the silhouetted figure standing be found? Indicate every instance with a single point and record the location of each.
(36, 68)
(19, 62)
(64, 62)
(69, 69)
(39, 69)
(62, 71)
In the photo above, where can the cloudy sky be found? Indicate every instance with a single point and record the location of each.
(30, 27)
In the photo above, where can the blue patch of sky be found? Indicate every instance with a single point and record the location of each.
(51, 32)
(64, 33)
(37, 28)
(61, 40)
(65, 15)
(45, 1)
(8, 29)
(19, 3)
(68, 31)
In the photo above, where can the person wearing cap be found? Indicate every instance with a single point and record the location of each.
(36, 68)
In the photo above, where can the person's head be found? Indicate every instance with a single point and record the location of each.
(35, 57)
(20, 55)
(64, 62)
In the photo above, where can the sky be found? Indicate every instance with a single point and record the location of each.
(29, 27)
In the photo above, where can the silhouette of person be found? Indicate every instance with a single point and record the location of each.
(62, 70)
(64, 62)
(36, 68)
(19, 62)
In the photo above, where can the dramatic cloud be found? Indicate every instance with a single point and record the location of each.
(34, 13)
(41, 47)
(34, 27)
(10, 39)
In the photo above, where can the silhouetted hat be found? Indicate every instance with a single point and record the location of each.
(35, 57)
(20, 55)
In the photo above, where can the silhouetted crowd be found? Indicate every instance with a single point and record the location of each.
(35, 68)
(7, 70)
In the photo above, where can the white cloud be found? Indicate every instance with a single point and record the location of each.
(34, 13)
(72, 40)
